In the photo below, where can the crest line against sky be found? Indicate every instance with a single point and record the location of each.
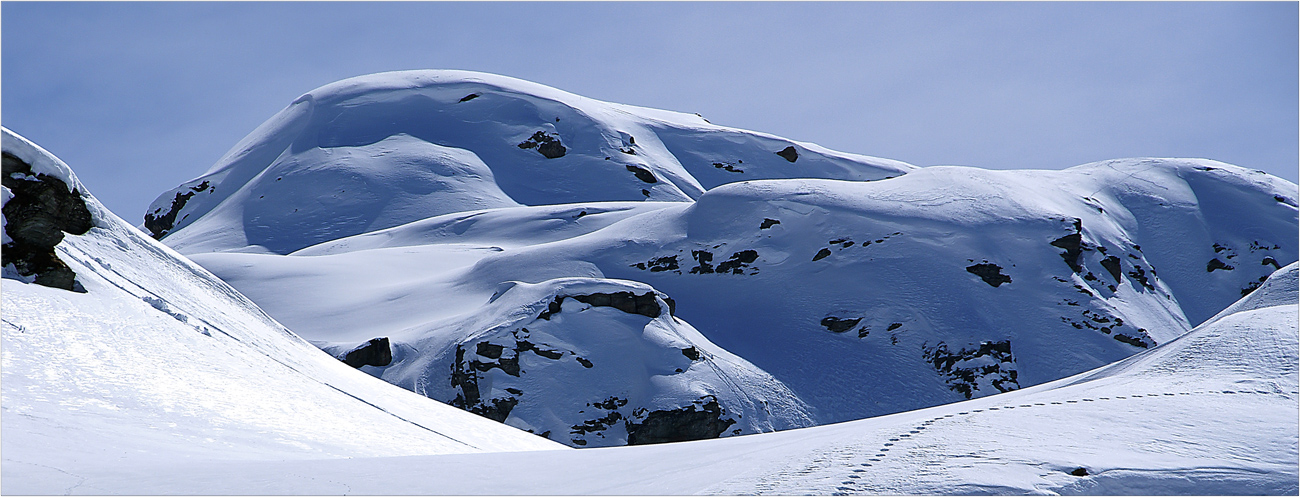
(139, 97)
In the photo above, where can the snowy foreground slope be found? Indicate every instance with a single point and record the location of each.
(150, 359)
(1213, 412)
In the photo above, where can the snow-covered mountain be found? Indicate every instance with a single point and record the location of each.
(119, 350)
(863, 295)
(376, 151)
(1212, 412)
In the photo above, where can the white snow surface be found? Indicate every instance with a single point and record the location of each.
(1211, 413)
(161, 362)
(899, 267)
(376, 151)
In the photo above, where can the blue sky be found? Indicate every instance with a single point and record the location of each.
(139, 97)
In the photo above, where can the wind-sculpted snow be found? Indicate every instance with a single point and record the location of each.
(158, 361)
(377, 151)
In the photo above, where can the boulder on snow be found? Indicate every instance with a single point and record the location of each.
(41, 210)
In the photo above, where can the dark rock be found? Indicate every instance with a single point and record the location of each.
(375, 352)
(679, 425)
(1141, 276)
(39, 213)
(691, 353)
(768, 223)
(489, 350)
(822, 254)
(789, 153)
(704, 258)
(498, 410)
(526, 346)
(737, 262)
(864, 331)
(727, 167)
(1270, 261)
(551, 308)
(964, 379)
(642, 173)
(598, 424)
(585, 363)
(160, 224)
(645, 192)
(547, 144)
(469, 97)
(1252, 286)
(894, 326)
(1111, 263)
(1217, 264)
(1072, 246)
(1079, 472)
(668, 263)
(1134, 341)
(645, 304)
(990, 273)
(839, 325)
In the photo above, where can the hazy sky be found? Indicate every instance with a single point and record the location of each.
(139, 97)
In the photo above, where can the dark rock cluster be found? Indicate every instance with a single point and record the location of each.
(658, 264)
(546, 144)
(844, 243)
(1109, 325)
(466, 373)
(737, 264)
(41, 210)
(644, 304)
(965, 379)
(161, 223)
(678, 425)
(729, 167)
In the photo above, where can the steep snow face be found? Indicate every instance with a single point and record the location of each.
(157, 360)
(1212, 412)
(589, 362)
(864, 298)
(376, 151)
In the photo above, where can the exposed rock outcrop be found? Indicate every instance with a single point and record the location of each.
(41, 210)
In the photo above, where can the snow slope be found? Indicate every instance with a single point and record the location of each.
(414, 144)
(863, 290)
(889, 317)
(157, 361)
(1212, 412)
